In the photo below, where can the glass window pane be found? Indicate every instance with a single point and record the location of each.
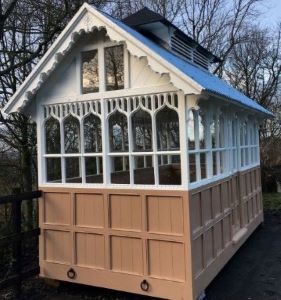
(142, 131)
(52, 135)
(72, 170)
(71, 135)
(202, 132)
(120, 170)
(94, 169)
(215, 171)
(169, 170)
(191, 130)
(203, 165)
(167, 126)
(118, 132)
(114, 67)
(144, 171)
(234, 136)
(192, 168)
(213, 132)
(92, 134)
(90, 72)
(53, 169)
(222, 167)
(221, 132)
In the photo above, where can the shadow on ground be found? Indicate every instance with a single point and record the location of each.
(254, 273)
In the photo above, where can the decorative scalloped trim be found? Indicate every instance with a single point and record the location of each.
(86, 22)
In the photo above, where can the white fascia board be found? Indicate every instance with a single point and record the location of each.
(86, 20)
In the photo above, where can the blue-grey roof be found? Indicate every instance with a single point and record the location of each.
(207, 80)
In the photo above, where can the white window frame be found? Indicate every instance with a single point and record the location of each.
(103, 108)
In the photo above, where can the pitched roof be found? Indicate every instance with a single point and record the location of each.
(187, 76)
(209, 82)
(144, 16)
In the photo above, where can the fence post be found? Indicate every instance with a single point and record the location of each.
(16, 225)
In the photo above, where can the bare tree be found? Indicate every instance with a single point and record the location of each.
(218, 25)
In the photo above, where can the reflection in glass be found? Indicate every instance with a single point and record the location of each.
(202, 142)
(114, 67)
(118, 132)
(213, 132)
(203, 165)
(215, 169)
(142, 130)
(170, 172)
(72, 170)
(221, 132)
(167, 127)
(92, 134)
(144, 171)
(94, 169)
(192, 168)
(191, 128)
(71, 135)
(120, 170)
(90, 72)
(53, 169)
(52, 134)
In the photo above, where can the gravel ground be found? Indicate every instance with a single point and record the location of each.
(254, 273)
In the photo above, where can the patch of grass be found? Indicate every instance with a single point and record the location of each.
(272, 202)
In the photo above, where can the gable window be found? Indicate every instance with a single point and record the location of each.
(114, 67)
(90, 72)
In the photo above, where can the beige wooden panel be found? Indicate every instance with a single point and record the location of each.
(166, 260)
(125, 212)
(89, 210)
(196, 211)
(126, 255)
(225, 195)
(208, 247)
(218, 238)
(206, 200)
(58, 246)
(250, 209)
(165, 214)
(197, 255)
(57, 208)
(216, 200)
(90, 250)
(226, 230)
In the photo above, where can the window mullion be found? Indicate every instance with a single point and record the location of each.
(209, 146)
(105, 143)
(130, 142)
(197, 146)
(82, 151)
(154, 144)
(63, 171)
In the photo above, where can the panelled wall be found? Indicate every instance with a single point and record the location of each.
(117, 239)
(177, 241)
(223, 215)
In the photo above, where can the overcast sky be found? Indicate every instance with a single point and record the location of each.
(272, 12)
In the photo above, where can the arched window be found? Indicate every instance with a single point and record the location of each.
(52, 135)
(118, 132)
(191, 130)
(92, 134)
(167, 127)
(142, 130)
(71, 135)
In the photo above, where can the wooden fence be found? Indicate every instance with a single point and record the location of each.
(13, 240)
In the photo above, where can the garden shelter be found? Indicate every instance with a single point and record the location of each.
(149, 164)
